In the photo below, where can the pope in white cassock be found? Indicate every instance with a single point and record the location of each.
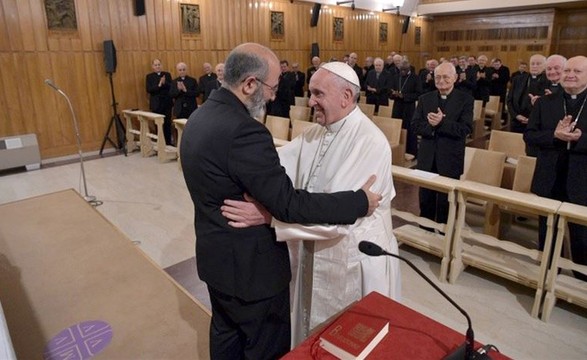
(339, 153)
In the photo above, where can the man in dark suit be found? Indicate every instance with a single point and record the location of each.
(405, 90)
(378, 85)
(300, 80)
(184, 90)
(426, 76)
(525, 88)
(284, 97)
(443, 119)
(483, 79)
(207, 82)
(466, 77)
(225, 154)
(311, 70)
(556, 127)
(158, 84)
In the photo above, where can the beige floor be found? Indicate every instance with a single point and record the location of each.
(148, 201)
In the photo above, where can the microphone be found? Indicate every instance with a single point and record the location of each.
(52, 84)
(466, 350)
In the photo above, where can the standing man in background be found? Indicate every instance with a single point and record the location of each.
(184, 91)
(312, 69)
(443, 119)
(158, 84)
(554, 71)
(300, 80)
(225, 154)
(378, 85)
(207, 82)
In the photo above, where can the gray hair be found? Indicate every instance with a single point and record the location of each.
(342, 83)
(239, 65)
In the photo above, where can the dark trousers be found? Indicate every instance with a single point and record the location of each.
(434, 205)
(249, 329)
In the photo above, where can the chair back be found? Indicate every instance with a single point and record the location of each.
(367, 109)
(298, 127)
(300, 112)
(390, 127)
(512, 144)
(278, 127)
(483, 166)
(524, 174)
(301, 101)
(385, 111)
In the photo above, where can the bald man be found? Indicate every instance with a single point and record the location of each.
(556, 127)
(225, 154)
(554, 71)
(184, 90)
(443, 119)
(378, 84)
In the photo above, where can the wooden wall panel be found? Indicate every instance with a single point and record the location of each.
(30, 53)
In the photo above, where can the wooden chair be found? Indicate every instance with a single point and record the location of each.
(150, 143)
(498, 256)
(513, 145)
(301, 101)
(386, 111)
(300, 112)
(396, 136)
(436, 243)
(524, 174)
(493, 112)
(390, 127)
(279, 128)
(179, 126)
(298, 127)
(478, 120)
(485, 167)
(367, 109)
(560, 285)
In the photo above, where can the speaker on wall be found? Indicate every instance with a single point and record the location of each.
(315, 50)
(109, 56)
(405, 24)
(139, 7)
(315, 14)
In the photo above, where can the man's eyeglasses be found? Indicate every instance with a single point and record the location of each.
(272, 88)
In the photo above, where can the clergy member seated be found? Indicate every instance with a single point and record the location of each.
(336, 154)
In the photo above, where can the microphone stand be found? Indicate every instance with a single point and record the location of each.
(89, 198)
(372, 249)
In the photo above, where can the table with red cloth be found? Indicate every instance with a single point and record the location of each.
(411, 335)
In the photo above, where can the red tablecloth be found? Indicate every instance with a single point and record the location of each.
(412, 335)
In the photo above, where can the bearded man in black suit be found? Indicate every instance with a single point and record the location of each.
(226, 154)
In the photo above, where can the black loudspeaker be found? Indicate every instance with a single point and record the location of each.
(139, 7)
(405, 24)
(315, 14)
(109, 56)
(315, 50)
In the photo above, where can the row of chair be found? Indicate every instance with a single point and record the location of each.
(458, 245)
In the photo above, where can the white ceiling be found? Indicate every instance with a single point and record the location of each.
(413, 8)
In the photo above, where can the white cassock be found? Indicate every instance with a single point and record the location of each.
(328, 159)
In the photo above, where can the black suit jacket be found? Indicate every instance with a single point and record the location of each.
(159, 99)
(224, 154)
(554, 162)
(382, 85)
(518, 100)
(185, 102)
(207, 83)
(444, 143)
(300, 81)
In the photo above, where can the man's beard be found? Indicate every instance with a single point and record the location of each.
(256, 104)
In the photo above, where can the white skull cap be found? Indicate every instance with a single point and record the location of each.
(343, 70)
